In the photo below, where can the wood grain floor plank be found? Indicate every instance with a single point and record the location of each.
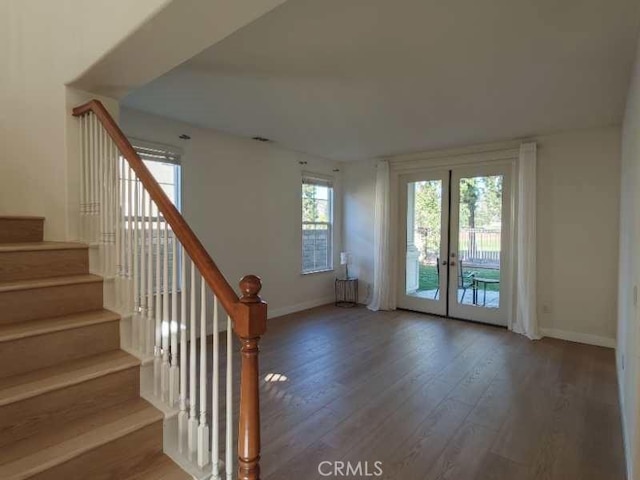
(434, 398)
(463, 455)
(495, 467)
(414, 456)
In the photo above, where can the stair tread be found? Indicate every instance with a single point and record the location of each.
(38, 382)
(30, 328)
(40, 246)
(20, 217)
(162, 468)
(45, 450)
(48, 282)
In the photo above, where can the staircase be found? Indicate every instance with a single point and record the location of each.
(70, 405)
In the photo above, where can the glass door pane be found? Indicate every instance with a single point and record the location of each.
(424, 249)
(480, 240)
(478, 280)
(424, 231)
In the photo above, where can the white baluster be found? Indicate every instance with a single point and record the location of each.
(92, 174)
(130, 228)
(135, 317)
(125, 214)
(203, 429)
(89, 219)
(123, 235)
(114, 209)
(118, 215)
(150, 303)
(174, 372)
(101, 198)
(83, 176)
(108, 207)
(193, 401)
(183, 416)
(157, 349)
(228, 464)
(215, 396)
(96, 183)
(166, 319)
(142, 347)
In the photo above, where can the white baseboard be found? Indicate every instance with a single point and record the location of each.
(279, 312)
(623, 418)
(579, 337)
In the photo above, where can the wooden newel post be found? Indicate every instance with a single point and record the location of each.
(250, 326)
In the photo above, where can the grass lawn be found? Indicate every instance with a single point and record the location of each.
(428, 277)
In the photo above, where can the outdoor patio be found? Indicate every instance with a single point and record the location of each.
(492, 300)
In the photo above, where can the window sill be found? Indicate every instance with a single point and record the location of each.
(318, 271)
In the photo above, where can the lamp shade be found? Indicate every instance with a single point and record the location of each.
(344, 258)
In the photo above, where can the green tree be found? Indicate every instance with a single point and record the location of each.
(492, 201)
(315, 203)
(470, 191)
(309, 204)
(428, 211)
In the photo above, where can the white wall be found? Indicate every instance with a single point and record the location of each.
(578, 186)
(359, 181)
(43, 45)
(243, 200)
(174, 34)
(628, 354)
(578, 230)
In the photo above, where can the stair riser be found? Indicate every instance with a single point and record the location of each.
(29, 265)
(57, 408)
(120, 458)
(48, 302)
(30, 353)
(19, 230)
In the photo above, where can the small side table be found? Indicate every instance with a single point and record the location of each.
(485, 282)
(346, 292)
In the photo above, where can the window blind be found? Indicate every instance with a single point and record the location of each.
(318, 180)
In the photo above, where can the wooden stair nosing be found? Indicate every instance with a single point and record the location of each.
(75, 440)
(33, 284)
(31, 328)
(41, 246)
(39, 382)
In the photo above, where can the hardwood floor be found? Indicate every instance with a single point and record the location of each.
(434, 399)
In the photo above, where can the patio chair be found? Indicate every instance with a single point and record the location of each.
(465, 280)
(435, 295)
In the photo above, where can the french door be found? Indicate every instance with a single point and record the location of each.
(456, 242)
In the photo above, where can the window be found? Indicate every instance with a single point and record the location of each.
(317, 224)
(164, 165)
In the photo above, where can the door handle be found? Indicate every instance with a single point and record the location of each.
(444, 262)
(452, 263)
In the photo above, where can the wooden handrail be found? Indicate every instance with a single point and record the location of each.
(249, 313)
(207, 267)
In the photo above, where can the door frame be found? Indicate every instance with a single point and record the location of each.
(505, 155)
(494, 316)
(437, 307)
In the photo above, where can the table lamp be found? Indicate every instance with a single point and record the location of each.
(344, 260)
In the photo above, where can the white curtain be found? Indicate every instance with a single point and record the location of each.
(383, 297)
(526, 321)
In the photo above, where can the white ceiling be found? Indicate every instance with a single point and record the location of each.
(352, 79)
